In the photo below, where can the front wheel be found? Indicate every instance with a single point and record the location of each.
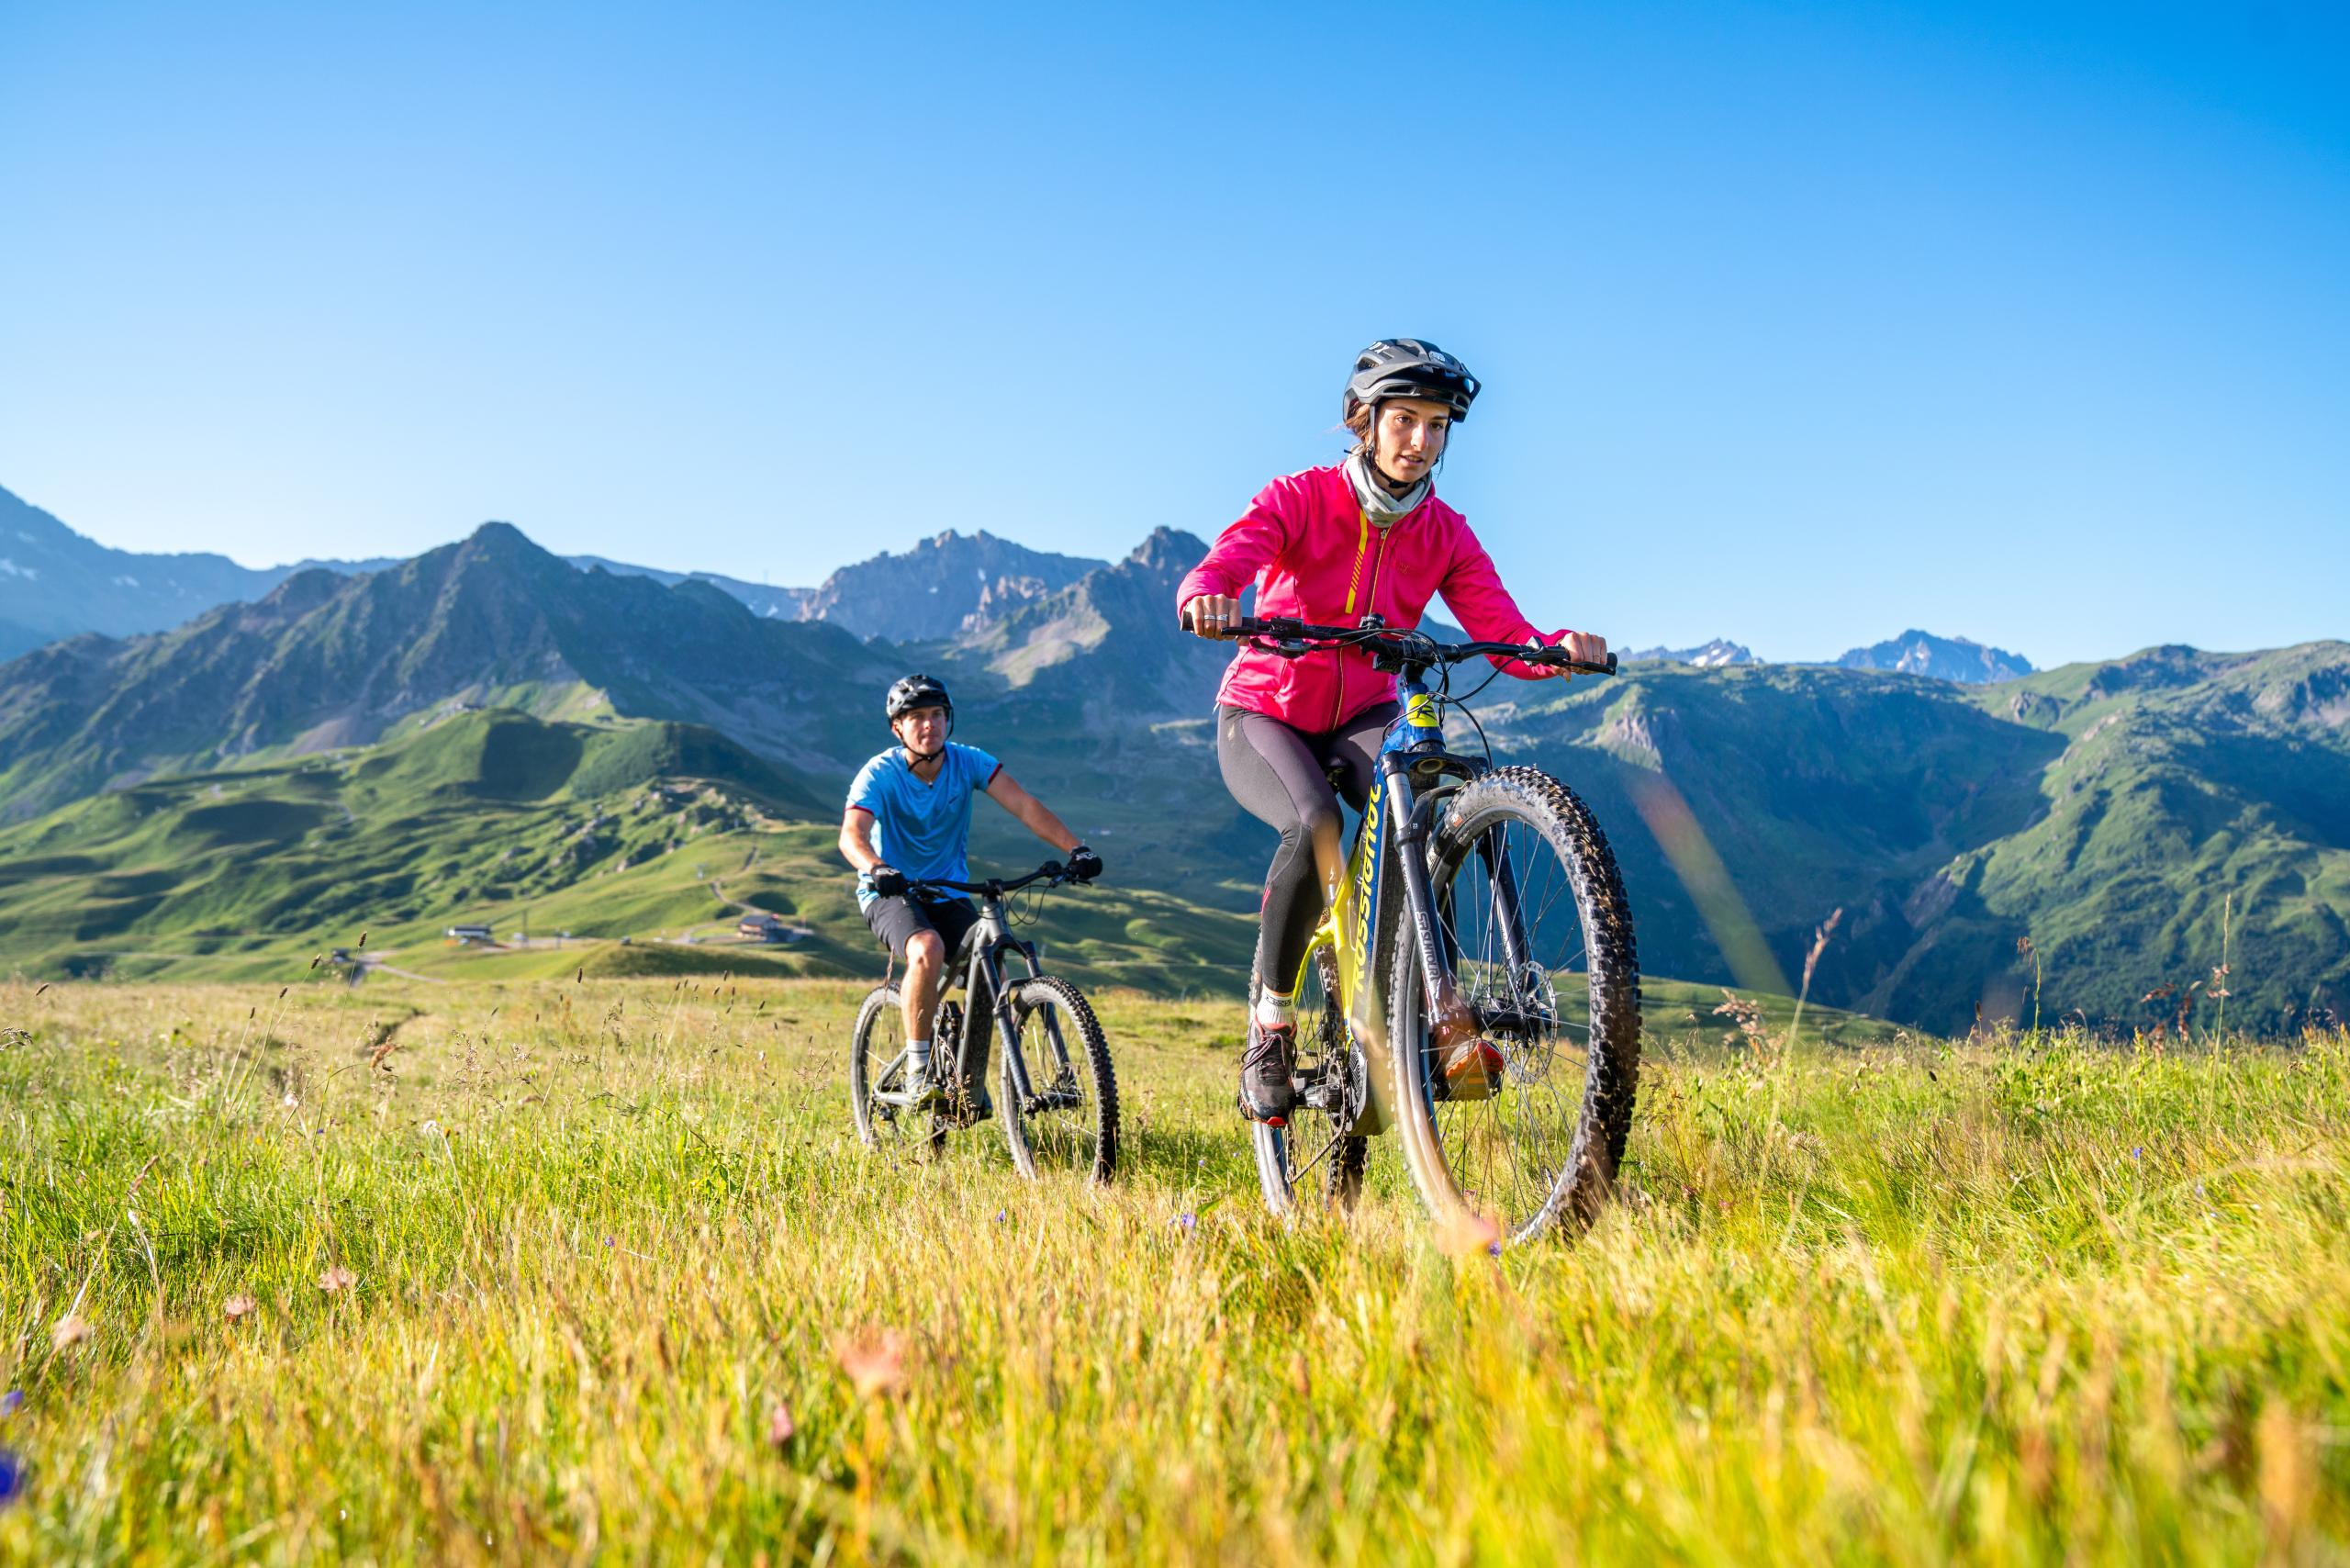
(1515, 1108)
(1072, 1123)
(876, 1072)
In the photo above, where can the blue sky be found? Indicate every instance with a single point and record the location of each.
(1799, 324)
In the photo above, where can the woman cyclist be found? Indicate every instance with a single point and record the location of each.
(1333, 546)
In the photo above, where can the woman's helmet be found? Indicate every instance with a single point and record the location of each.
(913, 692)
(1409, 367)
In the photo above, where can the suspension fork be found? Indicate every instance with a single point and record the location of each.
(987, 963)
(1451, 1020)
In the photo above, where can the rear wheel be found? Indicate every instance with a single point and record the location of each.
(1072, 1123)
(1516, 1113)
(876, 1068)
(1312, 1161)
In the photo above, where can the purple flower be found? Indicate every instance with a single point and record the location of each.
(1493, 1248)
(2138, 1152)
(14, 1475)
(1186, 1221)
(999, 1216)
(12, 1402)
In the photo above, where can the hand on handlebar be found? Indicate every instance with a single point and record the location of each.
(887, 881)
(1583, 647)
(1084, 864)
(1212, 616)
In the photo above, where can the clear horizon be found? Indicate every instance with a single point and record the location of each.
(1799, 328)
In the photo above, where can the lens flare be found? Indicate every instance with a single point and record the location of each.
(1692, 859)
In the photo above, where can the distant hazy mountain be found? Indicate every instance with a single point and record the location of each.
(945, 586)
(774, 603)
(1710, 655)
(1942, 659)
(54, 582)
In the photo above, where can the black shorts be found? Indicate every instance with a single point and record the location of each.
(895, 921)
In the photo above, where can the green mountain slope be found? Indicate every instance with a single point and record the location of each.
(648, 831)
(324, 661)
(2112, 814)
(485, 727)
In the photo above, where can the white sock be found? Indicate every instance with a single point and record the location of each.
(1276, 1008)
(918, 1055)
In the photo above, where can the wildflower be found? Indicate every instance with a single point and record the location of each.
(1186, 1221)
(237, 1305)
(874, 1361)
(1001, 1215)
(2138, 1151)
(336, 1278)
(11, 1402)
(780, 1425)
(13, 1474)
(70, 1330)
(1467, 1233)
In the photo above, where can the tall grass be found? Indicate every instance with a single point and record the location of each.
(597, 1271)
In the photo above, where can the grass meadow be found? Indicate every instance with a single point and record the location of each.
(597, 1271)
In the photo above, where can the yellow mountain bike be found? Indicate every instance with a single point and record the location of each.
(1474, 986)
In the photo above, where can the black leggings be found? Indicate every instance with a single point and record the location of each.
(1277, 774)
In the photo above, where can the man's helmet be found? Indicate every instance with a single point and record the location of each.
(1409, 367)
(913, 692)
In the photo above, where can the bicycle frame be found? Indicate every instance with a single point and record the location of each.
(1413, 776)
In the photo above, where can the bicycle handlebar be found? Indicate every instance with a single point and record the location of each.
(1281, 629)
(1052, 870)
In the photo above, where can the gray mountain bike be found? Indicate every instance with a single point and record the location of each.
(1056, 1095)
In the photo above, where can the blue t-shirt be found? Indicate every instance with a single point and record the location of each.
(923, 830)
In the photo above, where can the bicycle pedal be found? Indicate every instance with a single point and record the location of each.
(1242, 1103)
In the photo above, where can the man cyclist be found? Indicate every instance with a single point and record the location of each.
(908, 818)
(1333, 546)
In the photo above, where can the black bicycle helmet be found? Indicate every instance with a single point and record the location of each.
(913, 692)
(1409, 367)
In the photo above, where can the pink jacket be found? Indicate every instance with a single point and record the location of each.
(1312, 554)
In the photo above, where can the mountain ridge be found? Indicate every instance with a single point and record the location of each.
(2114, 813)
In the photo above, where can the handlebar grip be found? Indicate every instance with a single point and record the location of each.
(1611, 661)
(1246, 626)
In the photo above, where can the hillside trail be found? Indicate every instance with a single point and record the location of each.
(370, 963)
(691, 935)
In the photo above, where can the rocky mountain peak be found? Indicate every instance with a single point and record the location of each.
(1706, 656)
(1940, 658)
(944, 587)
